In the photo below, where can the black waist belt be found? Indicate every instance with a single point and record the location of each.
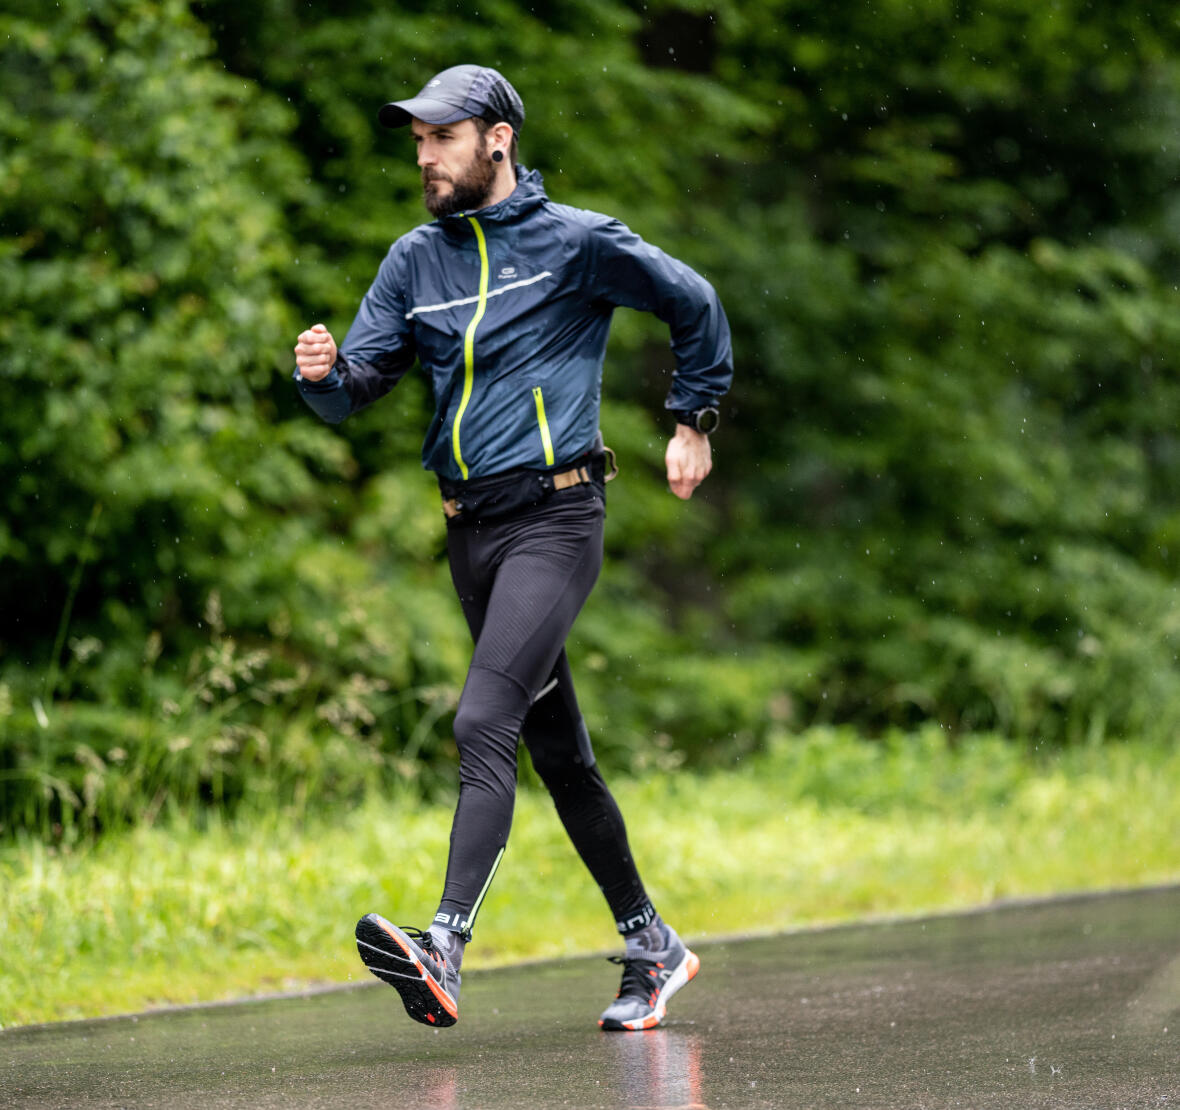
(500, 494)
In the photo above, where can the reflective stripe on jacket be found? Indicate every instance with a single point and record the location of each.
(508, 309)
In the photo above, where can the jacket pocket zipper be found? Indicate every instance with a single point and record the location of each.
(543, 424)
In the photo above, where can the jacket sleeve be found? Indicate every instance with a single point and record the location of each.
(375, 355)
(624, 271)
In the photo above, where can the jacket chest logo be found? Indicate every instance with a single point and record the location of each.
(506, 273)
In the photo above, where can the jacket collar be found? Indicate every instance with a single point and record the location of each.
(528, 196)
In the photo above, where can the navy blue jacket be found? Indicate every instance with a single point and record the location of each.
(508, 309)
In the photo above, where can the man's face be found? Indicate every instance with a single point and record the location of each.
(457, 171)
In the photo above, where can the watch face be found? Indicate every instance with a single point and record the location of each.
(707, 420)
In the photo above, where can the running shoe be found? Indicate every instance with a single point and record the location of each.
(648, 982)
(406, 959)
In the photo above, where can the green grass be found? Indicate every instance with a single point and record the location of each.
(822, 828)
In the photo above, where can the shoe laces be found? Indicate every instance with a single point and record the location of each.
(639, 976)
(423, 939)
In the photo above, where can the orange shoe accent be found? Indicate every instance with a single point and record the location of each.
(444, 999)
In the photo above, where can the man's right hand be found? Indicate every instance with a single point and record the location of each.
(315, 353)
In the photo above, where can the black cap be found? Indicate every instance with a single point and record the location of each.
(460, 92)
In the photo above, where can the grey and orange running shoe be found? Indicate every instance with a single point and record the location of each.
(648, 982)
(406, 959)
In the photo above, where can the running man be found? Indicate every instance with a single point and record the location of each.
(505, 300)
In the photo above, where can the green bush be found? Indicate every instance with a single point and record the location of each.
(948, 244)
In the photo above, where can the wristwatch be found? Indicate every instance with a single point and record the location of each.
(704, 420)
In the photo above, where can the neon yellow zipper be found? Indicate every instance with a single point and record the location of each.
(544, 425)
(469, 343)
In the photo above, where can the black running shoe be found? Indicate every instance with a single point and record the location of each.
(406, 959)
(648, 982)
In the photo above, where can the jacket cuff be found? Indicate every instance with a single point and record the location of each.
(326, 384)
(328, 398)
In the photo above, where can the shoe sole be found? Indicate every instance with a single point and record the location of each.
(685, 972)
(389, 954)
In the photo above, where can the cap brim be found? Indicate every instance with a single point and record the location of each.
(400, 112)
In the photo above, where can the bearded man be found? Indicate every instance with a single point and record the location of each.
(505, 300)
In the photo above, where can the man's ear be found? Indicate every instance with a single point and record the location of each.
(499, 137)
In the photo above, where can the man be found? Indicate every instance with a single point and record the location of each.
(506, 300)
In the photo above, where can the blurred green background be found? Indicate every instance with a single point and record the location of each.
(948, 240)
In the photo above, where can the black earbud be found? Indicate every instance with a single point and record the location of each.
(497, 156)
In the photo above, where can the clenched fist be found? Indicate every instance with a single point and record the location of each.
(315, 353)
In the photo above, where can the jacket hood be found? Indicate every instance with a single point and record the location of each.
(528, 195)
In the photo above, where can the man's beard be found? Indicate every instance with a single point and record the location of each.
(470, 191)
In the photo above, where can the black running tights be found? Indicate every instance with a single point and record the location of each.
(522, 580)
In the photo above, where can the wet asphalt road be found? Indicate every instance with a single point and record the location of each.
(1071, 1003)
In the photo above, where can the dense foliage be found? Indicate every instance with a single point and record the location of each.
(948, 242)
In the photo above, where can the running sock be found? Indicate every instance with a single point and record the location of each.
(449, 945)
(651, 938)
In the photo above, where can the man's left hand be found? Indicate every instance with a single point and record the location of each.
(689, 459)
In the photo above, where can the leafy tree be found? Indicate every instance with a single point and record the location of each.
(147, 270)
(966, 337)
(948, 243)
